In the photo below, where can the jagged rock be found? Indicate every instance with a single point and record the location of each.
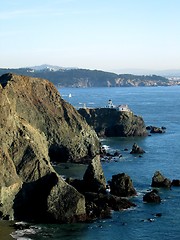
(36, 126)
(154, 129)
(113, 123)
(121, 185)
(152, 197)
(100, 205)
(94, 178)
(136, 149)
(159, 180)
(176, 182)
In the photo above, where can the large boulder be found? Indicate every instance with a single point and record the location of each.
(158, 180)
(121, 185)
(113, 123)
(36, 126)
(152, 197)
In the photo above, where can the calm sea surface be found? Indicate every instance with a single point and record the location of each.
(159, 106)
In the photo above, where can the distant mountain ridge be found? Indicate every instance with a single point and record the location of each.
(74, 77)
(49, 67)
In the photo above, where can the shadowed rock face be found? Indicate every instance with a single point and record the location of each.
(158, 180)
(36, 125)
(113, 123)
(152, 197)
(121, 185)
(38, 103)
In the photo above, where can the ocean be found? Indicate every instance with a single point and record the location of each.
(159, 106)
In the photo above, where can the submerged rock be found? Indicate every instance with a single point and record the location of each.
(154, 129)
(159, 180)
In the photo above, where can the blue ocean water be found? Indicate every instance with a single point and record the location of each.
(159, 106)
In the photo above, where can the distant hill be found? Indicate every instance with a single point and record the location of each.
(71, 77)
(49, 67)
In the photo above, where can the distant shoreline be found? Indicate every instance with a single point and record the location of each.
(85, 78)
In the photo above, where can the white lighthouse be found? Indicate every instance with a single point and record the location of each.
(110, 104)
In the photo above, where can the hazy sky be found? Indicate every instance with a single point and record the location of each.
(94, 34)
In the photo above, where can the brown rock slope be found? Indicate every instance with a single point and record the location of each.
(36, 125)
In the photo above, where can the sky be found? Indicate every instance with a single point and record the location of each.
(94, 34)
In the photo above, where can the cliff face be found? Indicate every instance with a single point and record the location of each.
(37, 104)
(113, 123)
(37, 126)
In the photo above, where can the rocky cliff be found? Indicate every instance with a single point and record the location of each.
(37, 126)
(112, 123)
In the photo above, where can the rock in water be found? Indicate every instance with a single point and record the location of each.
(159, 180)
(136, 149)
(94, 179)
(152, 197)
(154, 129)
(176, 182)
(36, 126)
(121, 185)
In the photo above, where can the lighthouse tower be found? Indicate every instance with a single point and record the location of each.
(110, 104)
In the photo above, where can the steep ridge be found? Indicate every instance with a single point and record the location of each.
(37, 126)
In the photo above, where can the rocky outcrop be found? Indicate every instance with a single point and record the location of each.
(159, 180)
(152, 197)
(136, 149)
(176, 182)
(121, 185)
(112, 123)
(94, 178)
(154, 129)
(98, 201)
(37, 126)
(100, 205)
